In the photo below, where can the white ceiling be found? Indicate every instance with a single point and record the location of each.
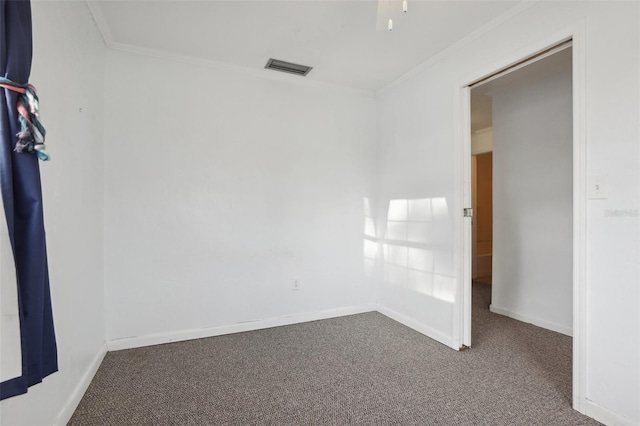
(341, 40)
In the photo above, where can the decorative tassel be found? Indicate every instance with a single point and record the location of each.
(32, 133)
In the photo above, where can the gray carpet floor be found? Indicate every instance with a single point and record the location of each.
(357, 370)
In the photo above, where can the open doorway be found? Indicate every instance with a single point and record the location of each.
(481, 188)
(522, 192)
(573, 39)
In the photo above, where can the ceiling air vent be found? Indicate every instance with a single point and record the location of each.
(277, 65)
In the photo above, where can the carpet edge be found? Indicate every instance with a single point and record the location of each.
(606, 416)
(199, 333)
(75, 397)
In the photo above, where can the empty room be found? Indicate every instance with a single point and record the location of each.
(262, 212)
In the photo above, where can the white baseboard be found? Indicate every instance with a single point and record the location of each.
(531, 320)
(74, 399)
(592, 409)
(417, 326)
(606, 416)
(182, 335)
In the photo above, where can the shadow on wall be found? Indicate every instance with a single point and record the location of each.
(415, 253)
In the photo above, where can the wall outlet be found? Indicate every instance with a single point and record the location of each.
(295, 285)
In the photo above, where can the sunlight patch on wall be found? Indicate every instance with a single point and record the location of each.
(370, 239)
(415, 253)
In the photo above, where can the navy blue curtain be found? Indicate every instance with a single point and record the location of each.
(22, 197)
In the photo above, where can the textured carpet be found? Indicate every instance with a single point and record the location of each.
(361, 370)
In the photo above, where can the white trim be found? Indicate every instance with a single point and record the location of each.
(518, 56)
(513, 68)
(485, 130)
(110, 42)
(466, 223)
(606, 416)
(432, 333)
(76, 396)
(499, 20)
(101, 22)
(261, 73)
(199, 333)
(579, 218)
(461, 331)
(577, 34)
(563, 329)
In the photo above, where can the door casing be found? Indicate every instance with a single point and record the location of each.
(462, 172)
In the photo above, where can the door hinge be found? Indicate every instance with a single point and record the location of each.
(468, 212)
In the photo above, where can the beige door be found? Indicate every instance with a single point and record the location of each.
(482, 184)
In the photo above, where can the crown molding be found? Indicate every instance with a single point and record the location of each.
(110, 42)
(521, 6)
(264, 74)
(100, 21)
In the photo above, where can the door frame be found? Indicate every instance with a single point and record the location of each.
(462, 172)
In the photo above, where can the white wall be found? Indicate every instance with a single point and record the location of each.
(532, 203)
(416, 134)
(418, 280)
(68, 71)
(222, 188)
